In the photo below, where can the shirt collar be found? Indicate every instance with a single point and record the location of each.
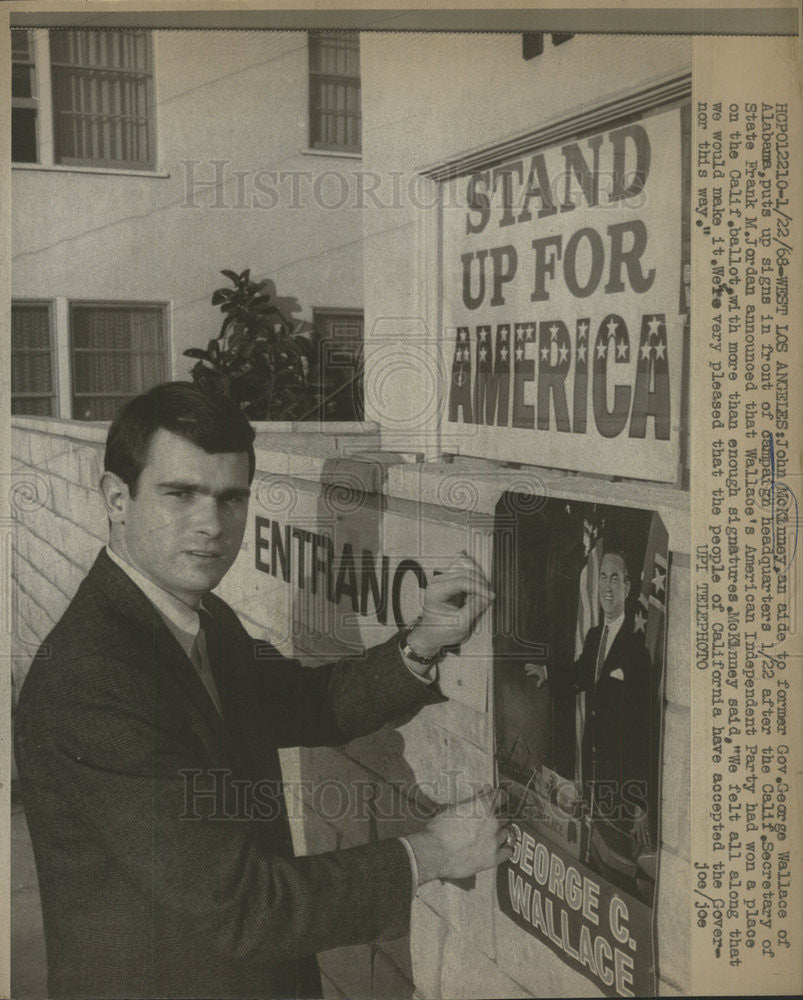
(613, 627)
(182, 620)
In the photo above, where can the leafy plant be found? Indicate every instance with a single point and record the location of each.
(262, 357)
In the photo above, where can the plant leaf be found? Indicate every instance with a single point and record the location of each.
(232, 276)
(197, 352)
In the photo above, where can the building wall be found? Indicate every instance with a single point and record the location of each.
(238, 98)
(425, 98)
(460, 945)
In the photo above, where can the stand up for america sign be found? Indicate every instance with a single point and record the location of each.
(562, 323)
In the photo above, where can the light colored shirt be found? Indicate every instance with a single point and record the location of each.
(183, 621)
(613, 631)
(429, 676)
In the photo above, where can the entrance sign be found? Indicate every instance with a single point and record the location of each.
(562, 309)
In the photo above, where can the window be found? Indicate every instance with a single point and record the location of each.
(24, 101)
(339, 385)
(334, 90)
(532, 42)
(117, 351)
(102, 85)
(33, 382)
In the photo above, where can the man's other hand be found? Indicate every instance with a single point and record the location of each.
(453, 601)
(463, 839)
(538, 672)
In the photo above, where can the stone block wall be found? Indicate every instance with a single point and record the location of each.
(60, 525)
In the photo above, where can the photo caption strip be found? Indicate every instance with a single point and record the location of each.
(746, 487)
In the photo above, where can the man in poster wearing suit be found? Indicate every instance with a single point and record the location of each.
(149, 686)
(615, 672)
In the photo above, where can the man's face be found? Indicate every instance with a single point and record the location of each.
(184, 527)
(613, 586)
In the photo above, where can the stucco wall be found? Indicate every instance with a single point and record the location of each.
(239, 98)
(460, 944)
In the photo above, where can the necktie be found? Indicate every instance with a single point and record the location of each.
(603, 643)
(199, 654)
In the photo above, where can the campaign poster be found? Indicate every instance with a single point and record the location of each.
(562, 322)
(578, 704)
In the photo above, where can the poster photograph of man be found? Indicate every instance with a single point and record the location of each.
(578, 701)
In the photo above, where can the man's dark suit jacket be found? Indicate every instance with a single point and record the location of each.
(621, 727)
(141, 900)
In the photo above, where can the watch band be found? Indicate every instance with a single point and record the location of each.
(410, 653)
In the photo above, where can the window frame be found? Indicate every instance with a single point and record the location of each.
(322, 316)
(88, 70)
(123, 305)
(316, 76)
(32, 103)
(40, 46)
(53, 395)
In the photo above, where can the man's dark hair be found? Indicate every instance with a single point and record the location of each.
(213, 423)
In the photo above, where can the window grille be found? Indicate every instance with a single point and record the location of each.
(117, 351)
(33, 383)
(334, 90)
(102, 84)
(24, 98)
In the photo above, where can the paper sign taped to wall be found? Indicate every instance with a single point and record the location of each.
(579, 650)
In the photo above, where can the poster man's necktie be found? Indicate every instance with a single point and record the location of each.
(603, 644)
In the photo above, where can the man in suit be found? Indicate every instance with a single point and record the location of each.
(615, 672)
(149, 710)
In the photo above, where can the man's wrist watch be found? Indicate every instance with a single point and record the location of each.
(410, 653)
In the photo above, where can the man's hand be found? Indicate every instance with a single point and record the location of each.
(452, 603)
(462, 840)
(537, 671)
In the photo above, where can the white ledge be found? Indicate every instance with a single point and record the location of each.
(337, 153)
(464, 487)
(78, 430)
(63, 168)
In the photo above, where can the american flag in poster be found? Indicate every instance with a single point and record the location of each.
(588, 614)
(650, 616)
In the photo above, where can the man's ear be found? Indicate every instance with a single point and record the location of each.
(115, 497)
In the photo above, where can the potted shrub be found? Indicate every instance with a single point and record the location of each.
(261, 357)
